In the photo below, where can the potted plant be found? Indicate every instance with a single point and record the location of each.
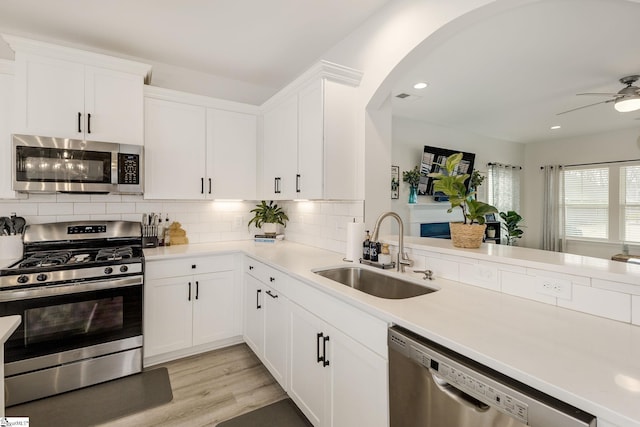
(267, 217)
(412, 177)
(470, 232)
(511, 220)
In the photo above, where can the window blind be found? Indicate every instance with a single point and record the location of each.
(586, 203)
(630, 209)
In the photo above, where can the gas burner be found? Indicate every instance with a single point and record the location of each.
(114, 254)
(80, 258)
(46, 259)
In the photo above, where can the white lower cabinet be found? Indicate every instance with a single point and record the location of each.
(188, 313)
(266, 319)
(335, 380)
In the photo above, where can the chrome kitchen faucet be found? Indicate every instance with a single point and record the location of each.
(403, 259)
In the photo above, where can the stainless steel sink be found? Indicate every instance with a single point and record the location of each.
(374, 283)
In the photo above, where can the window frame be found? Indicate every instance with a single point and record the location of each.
(617, 203)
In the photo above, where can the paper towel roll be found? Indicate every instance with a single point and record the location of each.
(355, 237)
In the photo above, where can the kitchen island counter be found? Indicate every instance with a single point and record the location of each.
(590, 362)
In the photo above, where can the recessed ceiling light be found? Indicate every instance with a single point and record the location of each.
(420, 85)
(555, 127)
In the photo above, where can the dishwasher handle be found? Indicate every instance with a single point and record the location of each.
(458, 395)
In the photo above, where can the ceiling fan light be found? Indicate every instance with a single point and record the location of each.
(627, 104)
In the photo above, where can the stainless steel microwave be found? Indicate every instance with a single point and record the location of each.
(47, 165)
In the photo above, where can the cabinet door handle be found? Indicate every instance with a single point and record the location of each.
(79, 122)
(202, 185)
(189, 297)
(318, 338)
(276, 185)
(251, 267)
(272, 295)
(272, 279)
(325, 360)
(297, 183)
(89, 123)
(258, 306)
(209, 185)
(197, 289)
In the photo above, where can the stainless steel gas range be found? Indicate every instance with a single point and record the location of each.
(78, 290)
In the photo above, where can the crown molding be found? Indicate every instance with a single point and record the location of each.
(21, 45)
(156, 92)
(321, 70)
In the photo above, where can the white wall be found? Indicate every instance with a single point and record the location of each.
(409, 139)
(612, 146)
(377, 48)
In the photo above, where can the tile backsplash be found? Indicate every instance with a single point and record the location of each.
(316, 223)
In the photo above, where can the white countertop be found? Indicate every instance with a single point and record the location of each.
(534, 258)
(590, 362)
(8, 324)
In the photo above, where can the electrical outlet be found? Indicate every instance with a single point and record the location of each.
(559, 288)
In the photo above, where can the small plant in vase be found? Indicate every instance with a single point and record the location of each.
(267, 216)
(467, 234)
(412, 177)
(511, 220)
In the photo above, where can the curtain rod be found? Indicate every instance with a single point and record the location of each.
(596, 163)
(506, 166)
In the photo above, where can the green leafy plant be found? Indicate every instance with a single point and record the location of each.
(511, 220)
(412, 177)
(268, 213)
(453, 186)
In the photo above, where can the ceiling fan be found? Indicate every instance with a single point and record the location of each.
(627, 99)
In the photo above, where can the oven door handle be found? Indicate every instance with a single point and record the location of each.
(69, 288)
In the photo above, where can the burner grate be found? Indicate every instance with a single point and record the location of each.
(46, 259)
(114, 254)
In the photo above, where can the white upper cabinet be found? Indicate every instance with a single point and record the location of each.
(6, 111)
(310, 137)
(231, 154)
(196, 152)
(175, 140)
(67, 93)
(280, 147)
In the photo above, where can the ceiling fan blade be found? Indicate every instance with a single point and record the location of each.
(585, 106)
(598, 94)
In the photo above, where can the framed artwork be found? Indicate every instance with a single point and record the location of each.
(432, 158)
(395, 182)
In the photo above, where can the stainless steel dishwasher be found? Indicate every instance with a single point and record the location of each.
(432, 386)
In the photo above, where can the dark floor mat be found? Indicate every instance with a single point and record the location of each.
(280, 414)
(99, 403)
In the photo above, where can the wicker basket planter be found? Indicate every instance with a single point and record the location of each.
(467, 235)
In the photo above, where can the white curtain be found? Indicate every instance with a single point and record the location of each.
(553, 214)
(504, 187)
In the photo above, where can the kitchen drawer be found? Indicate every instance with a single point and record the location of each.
(186, 266)
(268, 275)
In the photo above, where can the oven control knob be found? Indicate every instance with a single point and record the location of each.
(124, 269)
(41, 277)
(108, 270)
(23, 279)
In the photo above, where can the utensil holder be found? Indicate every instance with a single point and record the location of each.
(11, 247)
(150, 242)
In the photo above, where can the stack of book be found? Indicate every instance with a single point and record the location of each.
(268, 238)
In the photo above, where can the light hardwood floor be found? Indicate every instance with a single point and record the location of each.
(210, 388)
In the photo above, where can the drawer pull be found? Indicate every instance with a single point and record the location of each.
(272, 295)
